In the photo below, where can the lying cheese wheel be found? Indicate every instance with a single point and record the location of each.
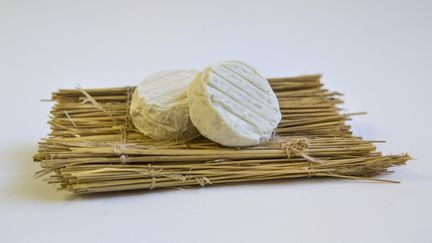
(233, 105)
(159, 107)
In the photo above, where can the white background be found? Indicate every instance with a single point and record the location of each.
(379, 53)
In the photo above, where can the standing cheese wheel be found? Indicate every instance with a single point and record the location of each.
(233, 105)
(159, 107)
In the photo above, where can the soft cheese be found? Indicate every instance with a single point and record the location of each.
(159, 107)
(233, 105)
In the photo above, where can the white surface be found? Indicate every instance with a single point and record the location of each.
(232, 104)
(377, 52)
(159, 107)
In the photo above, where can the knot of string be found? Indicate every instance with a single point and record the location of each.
(296, 148)
(118, 150)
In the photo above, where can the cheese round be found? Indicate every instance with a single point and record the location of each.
(159, 107)
(232, 104)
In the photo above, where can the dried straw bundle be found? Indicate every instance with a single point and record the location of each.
(93, 146)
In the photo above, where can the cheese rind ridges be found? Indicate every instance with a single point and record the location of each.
(159, 107)
(230, 103)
